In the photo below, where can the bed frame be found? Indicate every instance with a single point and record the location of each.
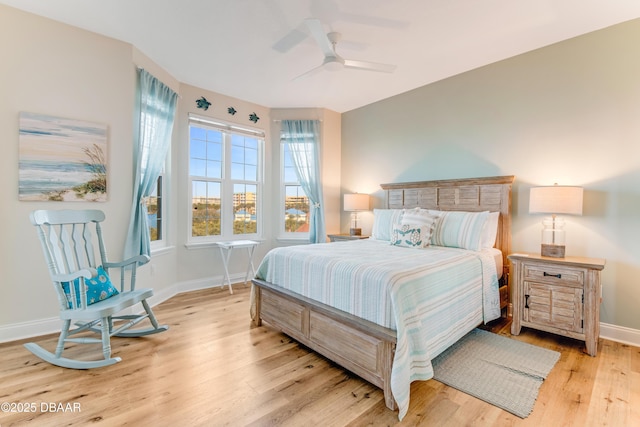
(364, 347)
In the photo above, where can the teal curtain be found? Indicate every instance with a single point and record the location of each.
(303, 140)
(154, 111)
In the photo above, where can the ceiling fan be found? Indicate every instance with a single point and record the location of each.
(332, 61)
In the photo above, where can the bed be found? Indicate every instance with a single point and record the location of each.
(392, 344)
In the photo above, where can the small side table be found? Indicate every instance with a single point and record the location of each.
(225, 251)
(343, 237)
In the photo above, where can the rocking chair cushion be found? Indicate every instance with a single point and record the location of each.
(99, 288)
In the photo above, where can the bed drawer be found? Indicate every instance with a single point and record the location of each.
(341, 339)
(286, 314)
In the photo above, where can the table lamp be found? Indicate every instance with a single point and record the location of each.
(355, 203)
(554, 200)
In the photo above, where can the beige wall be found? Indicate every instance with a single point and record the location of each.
(59, 70)
(567, 113)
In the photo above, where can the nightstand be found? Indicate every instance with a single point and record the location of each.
(343, 237)
(558, 295)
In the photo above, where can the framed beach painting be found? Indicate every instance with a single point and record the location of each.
(62, 159)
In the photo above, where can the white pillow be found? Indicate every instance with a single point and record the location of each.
(490, 231)
(459, 230)
(418, 216)
(383, 220)
(411, 235)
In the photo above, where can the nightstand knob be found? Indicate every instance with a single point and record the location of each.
(553, 275)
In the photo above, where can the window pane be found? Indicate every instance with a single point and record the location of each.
(154, 211)
(214, 169)
(214, 136)
(244, 156)
(244, 209)
(198, 149)
(237, 171)
(197, 167)
(237, 154)
(251, 156)
(289, 171)
(205, 212)
(251, 173)
(197, 133)
(290, 175)
(296, 207)
(214, 151)
(288, 163)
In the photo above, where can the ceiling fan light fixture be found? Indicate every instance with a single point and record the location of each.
(333, 63)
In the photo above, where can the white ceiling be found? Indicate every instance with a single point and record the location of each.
(253, 49)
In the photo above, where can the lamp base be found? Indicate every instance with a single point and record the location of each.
(553, 251)
(355, 231)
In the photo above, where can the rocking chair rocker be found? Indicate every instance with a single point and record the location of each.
(85, 294)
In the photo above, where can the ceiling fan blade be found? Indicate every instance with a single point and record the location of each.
(309, 73)
(289, 41)
(317, 32)
(370, 66)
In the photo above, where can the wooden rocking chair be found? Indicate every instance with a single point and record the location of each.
(85, 294)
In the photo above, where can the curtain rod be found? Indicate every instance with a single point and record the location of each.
(280, 120)
(154, 76)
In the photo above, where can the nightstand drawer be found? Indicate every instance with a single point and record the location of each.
(553, 274)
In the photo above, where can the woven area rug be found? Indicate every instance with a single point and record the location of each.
(504, 372)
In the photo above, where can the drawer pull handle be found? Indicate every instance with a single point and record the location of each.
(526, 301)
(553, 275)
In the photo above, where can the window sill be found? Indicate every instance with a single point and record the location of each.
(293, 240)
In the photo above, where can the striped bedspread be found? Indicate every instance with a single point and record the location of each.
(431, 297)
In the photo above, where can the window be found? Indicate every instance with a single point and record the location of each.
(155, 213)
(225, 169)
(295, 208)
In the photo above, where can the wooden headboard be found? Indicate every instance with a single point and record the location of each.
(468, 194)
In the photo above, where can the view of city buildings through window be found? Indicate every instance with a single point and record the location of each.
(225, 182)
(206, 212)
(296, 208)
(296, 203)
(226, 185)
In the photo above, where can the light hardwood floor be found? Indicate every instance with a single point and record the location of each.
(213, 368)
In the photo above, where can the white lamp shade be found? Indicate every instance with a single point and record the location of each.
(356, 202)
(556, 199)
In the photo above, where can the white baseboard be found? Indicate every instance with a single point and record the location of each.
(620, 334)
(35, 328)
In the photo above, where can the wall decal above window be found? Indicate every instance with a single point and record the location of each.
(231, 111)
(203, 103)
(254, 117)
